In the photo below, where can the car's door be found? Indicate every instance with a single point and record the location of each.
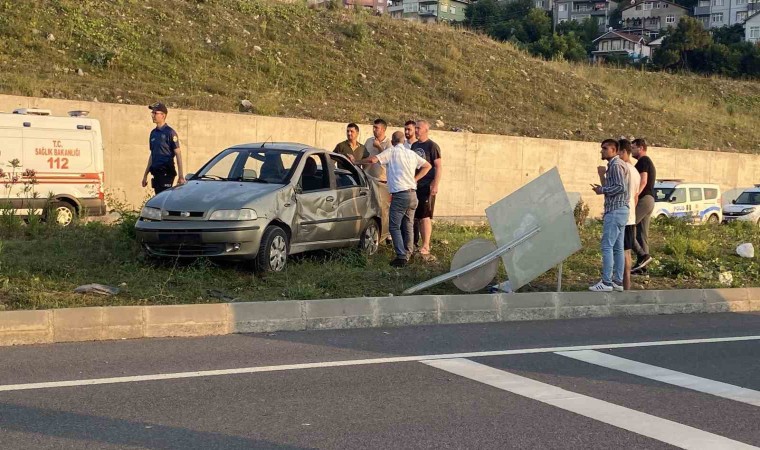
(351, 199)
(696, 202)
(315, 202)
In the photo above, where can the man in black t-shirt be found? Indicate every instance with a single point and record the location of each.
(645, 206)
(427, 188)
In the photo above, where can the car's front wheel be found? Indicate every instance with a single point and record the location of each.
(273, 250)
(370, 239)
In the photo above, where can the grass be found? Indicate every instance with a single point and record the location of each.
(42, 271)
(346, 65)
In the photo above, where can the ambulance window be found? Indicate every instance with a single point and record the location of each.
(695, 194)
(711, 194)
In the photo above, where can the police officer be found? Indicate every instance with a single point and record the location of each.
(164, 146)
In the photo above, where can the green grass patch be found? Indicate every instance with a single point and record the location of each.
(41, 271)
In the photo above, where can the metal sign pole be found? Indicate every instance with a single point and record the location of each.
(559, 277)
(475, 264)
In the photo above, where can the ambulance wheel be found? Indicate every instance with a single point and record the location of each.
(65, 213)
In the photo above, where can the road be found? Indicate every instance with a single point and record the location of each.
(689, 381)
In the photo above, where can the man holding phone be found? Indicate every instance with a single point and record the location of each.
(616, 211)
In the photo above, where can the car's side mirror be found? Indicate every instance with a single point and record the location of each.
(189, 176)
(733, 202)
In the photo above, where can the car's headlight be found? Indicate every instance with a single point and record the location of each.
(150, 213)
(748, 210)
(233, 214)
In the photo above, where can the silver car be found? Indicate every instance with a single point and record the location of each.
(263, 202)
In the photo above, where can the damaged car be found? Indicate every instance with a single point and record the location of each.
(262, 202)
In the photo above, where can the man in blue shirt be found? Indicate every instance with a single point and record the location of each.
(164, 147)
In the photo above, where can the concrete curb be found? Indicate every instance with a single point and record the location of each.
(129, 322)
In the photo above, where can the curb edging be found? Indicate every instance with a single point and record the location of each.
(131, 322)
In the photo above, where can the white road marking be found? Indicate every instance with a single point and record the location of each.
(668, 376)
(663, 430)
(357, 362)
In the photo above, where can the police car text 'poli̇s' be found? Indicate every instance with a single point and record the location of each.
(695, 202)
(64, 157)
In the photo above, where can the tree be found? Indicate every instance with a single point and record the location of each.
(688, 36)
(729, 35)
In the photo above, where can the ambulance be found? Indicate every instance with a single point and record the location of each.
(45, 157)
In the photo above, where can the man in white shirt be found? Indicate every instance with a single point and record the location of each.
(376, 145)
(401, 166)
(634, 182)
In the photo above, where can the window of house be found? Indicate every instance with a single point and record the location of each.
(647, 6)
(695, 194)
(754, 33)
(539, 3)
(670, 19)
(704, 2)
(711, 194)
(718, 2)
(638, 7)
(453, 9)
(563, 7)
(741, 2)
(657, 5)
(717, 18)
(666, 5)
(741, 16)
(616, 44)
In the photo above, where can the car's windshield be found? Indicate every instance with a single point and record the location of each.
(669, 195)
(250, 164)
(749, 198)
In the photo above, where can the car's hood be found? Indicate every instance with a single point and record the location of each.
(732, 208)
(203, 195)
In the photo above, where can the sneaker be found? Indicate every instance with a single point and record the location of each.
(600, 287)
(617, 287)
(642, 263)
(398, 262)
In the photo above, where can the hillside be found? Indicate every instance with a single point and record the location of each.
(348, 66)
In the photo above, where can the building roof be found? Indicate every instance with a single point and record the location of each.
(657, 41)
(627, 36)
(752, 17)
(637, 3)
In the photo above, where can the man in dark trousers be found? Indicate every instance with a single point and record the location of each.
(645, 206)
(164, 147)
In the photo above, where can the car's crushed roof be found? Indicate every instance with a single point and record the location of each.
(289, 146)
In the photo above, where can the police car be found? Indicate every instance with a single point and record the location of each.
(63, 156)
(746, 207)
(695, 202)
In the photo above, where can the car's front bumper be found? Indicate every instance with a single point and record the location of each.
(744, 218)
(174, 238)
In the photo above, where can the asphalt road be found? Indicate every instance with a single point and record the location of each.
(590, 383)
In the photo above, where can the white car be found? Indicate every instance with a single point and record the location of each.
(746, 207)
(695, 202)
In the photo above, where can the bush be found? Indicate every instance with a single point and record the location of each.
(581, 213)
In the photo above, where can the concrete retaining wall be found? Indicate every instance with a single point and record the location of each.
(478, 169)
(128, 322)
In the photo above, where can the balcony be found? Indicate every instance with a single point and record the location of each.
(701, 10)
(428, 12)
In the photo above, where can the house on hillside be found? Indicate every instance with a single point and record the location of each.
(447, 11)
(616, 43)
(580, 10)
(718, 13)
(378, 6)
(752, 28)
(651, 17)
